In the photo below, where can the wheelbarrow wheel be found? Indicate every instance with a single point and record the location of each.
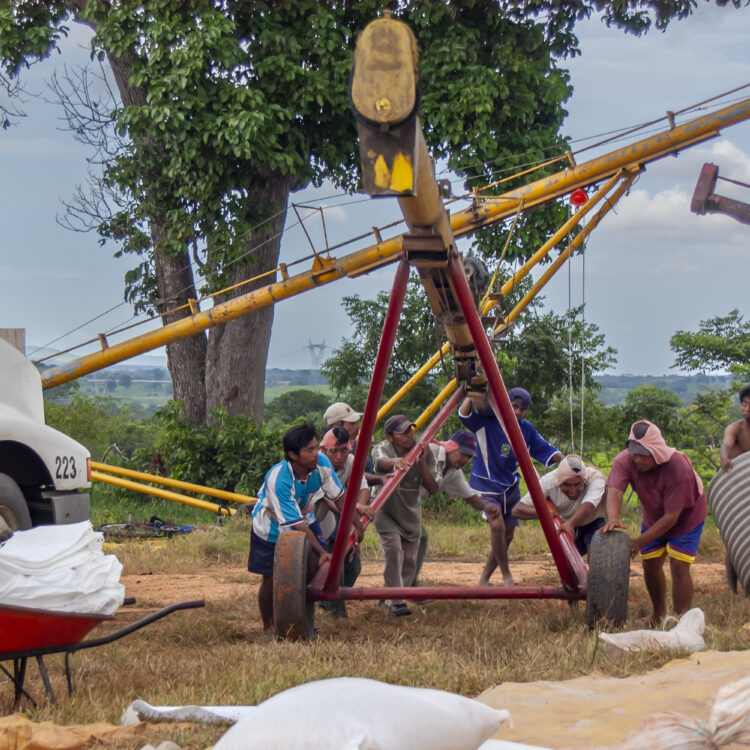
(293, 614)
(14, 513)
(609, 579)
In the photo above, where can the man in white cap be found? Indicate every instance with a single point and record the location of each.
(576, 490)
(342, 415)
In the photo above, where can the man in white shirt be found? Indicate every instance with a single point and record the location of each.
(576, 490)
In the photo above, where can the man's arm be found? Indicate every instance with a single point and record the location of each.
(730, 440)
(581, 517)
(524, 512)
(386, 465)
(465, 409)
(323, 554)
(658, 530)
(613, 505)
(428, 478)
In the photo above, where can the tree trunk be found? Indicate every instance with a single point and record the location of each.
(186, 358)
(238, 350)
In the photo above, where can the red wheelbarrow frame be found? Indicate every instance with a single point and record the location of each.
(38, 633)
(324, 586)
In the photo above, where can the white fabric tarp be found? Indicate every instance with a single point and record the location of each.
(60, 568)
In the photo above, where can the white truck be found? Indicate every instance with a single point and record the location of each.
(44, 474)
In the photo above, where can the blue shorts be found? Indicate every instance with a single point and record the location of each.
(262, 551)
(585, 533)
(682, 547)
(506, 501)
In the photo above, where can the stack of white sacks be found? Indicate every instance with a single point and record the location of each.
(60, 568)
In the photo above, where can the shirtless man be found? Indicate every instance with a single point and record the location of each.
(737, 434)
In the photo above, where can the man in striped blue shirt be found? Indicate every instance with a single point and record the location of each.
(285, 502)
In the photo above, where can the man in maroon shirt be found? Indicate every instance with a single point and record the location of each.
(674, 509)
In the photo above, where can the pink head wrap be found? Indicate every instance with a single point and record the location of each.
(329, 441)
(652, 441)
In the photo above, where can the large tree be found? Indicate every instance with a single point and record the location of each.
(227, 107)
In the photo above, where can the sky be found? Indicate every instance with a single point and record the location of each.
(651, 267)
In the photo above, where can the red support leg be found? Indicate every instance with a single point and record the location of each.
(510, 424)
(374, 396)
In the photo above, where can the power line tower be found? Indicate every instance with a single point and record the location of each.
(317, 351)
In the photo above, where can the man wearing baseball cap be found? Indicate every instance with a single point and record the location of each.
(399, 521)
(674, 510)
(494, 472)
(451, 456)
(342, 415)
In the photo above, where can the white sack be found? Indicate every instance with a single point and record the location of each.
(687, 635)
(139, 711)
(60, 568)
(351, 713)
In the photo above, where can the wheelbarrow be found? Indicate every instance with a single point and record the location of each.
(26, 632)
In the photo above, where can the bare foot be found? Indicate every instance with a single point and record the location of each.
(508, 580)
(484, 582)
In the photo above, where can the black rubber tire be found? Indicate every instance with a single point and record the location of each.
(609, 580)
(14, 512)
(729, 501)
(293, 614)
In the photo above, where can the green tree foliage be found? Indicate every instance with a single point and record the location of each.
(227, 453)
(349, 369)
(297, 404)
(658, 405)
(554, 422)
(543, 352)
(98, 422)
(720, 343)
(705, 420)
(228, 107)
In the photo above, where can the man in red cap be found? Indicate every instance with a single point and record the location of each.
(399, 521)
(674, 509)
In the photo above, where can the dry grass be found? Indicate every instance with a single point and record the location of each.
(218, 655)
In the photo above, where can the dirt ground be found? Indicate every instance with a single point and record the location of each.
(218, 583)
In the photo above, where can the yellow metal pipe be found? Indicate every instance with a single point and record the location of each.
(412, 381)
(486, 306)
(485, 212)
(635, 154)
(558, 235)
(435, 405)
(353, 264)
(611, 201)
(166, 494)
(142, 476)
(574, 245)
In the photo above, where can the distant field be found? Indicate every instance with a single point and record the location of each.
(277, 390)
(152, 395)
